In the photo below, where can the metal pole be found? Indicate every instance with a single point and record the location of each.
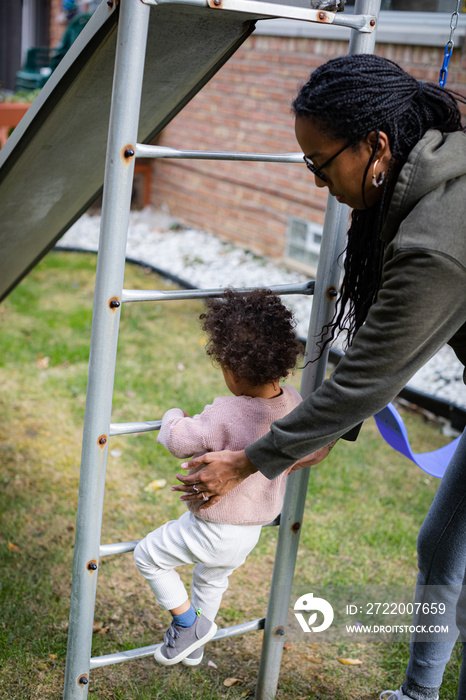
(327, 279)
(129, 295)
(361, 42)
(124, 117)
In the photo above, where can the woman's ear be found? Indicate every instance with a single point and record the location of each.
(383, 147)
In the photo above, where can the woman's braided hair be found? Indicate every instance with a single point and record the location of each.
(347, 98)
(252, 335)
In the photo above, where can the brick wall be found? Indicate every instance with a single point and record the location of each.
(57, 26)
(246, 107)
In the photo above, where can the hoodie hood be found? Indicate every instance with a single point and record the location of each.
(434, 161)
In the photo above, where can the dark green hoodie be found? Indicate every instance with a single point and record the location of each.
(420, 307)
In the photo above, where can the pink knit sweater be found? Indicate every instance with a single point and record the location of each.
(231, 423)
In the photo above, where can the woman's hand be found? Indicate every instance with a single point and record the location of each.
(314, 458)
(213, 475)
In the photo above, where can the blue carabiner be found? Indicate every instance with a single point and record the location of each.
(444, 69)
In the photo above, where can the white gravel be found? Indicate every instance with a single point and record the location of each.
(205, 261)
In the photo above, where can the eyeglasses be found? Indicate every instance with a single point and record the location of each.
(318, 171)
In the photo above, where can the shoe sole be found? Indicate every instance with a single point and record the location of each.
(189, 650)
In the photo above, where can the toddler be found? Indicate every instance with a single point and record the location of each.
(251, 336)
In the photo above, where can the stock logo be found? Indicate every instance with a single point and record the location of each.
(308, 604)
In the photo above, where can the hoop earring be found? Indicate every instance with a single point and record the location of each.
(377, 182)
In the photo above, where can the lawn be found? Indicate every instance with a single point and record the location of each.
(365, 505)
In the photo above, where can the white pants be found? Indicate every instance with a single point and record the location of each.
(216, 550)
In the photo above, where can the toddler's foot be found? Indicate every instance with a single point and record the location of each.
(180, 642)
(195, 658)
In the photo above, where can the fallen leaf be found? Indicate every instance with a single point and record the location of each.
(232, 681)
(155, 485)
(53, 656)
(350, 662)
(180, 366)
(12, 547)
(211, 664)
(43, 362)
(116, 453)
(98, 628)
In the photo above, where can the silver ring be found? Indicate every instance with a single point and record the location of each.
(195, 489)
(205, 497)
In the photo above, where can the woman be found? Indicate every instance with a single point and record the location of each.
(393, 149)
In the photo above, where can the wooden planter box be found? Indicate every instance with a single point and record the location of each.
(11, 114)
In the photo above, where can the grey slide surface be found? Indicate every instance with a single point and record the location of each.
(52, 166)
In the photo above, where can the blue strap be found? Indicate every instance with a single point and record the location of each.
(393, 430)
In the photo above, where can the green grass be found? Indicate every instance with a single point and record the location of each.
(365, 506)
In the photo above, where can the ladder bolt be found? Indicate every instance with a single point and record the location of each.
(92, 565)
(296, 527)
(83, 680)
(332, 292)
(129, 152)
(279, 631)
(102, 440)
(114, 304)
(372, 22)
(322, 16)
(217, 2)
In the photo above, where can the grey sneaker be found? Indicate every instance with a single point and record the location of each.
(195, 658)
(395, 695)
(180, 642)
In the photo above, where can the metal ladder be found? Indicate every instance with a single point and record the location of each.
(122, 149)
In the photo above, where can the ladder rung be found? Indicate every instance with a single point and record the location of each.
(135, 427)
(143, 652)
(157, 295)
(145, 151)
(105, 550)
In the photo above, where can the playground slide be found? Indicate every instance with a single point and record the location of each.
(52, 167)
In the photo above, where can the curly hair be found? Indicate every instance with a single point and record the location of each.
(347, 98)
(252, 334)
